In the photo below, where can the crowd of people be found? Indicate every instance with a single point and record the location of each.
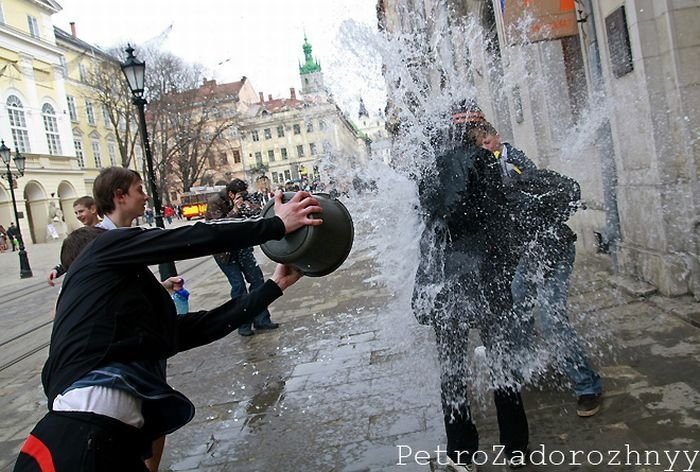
(496, 255)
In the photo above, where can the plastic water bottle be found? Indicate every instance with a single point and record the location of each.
(181, 300)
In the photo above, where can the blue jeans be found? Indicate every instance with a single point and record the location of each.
(550, 291)
(243, 264)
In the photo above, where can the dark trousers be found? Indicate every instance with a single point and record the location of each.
(502, 342)
(83, 442)
(243, 264)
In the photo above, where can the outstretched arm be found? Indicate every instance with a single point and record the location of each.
(203, 327)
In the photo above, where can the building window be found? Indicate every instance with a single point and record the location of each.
(90, 112)
(300, 150)
(268, 133)
(96, 153)
(79, 152)
(18, 123)
(112, 151)
(280, 131)
(255, 136)
(322, 125)
(297, 129)
(72, 112)
(312, 149)
(212, 160)
(309, 127)
(83, 72)
(283, 153)
(275, 178)
(287, 175)
(106, 117)
(271, 155)
(258, 159)
(51, 128)
(236, 157)
(33, 26)
(223, 159)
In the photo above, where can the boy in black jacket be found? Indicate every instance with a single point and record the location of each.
(115, 325)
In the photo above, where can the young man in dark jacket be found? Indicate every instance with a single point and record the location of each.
(115, 325)
(469, 254)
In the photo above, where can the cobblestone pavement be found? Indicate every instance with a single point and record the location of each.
(349, 377)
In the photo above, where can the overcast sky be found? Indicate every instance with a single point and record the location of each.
(260, 39)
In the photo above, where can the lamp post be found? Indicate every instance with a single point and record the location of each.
(135, 73)
(25, 270)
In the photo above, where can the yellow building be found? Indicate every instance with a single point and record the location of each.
(46, 115)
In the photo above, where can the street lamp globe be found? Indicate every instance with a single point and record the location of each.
(20, 161)
(5, 153)
(134, 71)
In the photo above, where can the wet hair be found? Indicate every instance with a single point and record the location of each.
(108, 182)
(76, 241)
(236, 186)
(87, 201)
(480, 131)
(465, 116)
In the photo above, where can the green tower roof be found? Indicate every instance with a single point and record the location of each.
(310, 65)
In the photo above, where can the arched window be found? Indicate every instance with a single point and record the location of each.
(51, 128)
(18, 124)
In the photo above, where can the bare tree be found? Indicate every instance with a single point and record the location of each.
(187, 120)
(109, 90)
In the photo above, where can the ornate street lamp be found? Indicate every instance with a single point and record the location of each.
(135, 73)
(20, 161)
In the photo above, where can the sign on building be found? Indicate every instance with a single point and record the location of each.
(538, 20)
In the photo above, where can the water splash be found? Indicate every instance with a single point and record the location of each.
(425, 81)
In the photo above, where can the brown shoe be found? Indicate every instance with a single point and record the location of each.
(588, 405)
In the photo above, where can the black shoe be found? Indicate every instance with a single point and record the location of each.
(267, 325)
(516, 460)
(588, 405)
(245, 331)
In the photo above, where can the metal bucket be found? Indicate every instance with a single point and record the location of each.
(314, 250)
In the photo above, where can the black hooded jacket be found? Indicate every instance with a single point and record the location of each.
(112, 308)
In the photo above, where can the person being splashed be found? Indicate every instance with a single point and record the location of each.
(469, 252)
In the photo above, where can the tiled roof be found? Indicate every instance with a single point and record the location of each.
(210, 90)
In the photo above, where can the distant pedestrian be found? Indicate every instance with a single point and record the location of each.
(3, 239)
(148, 215)
(14, 236)
(168, 213)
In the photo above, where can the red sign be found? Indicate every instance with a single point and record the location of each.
(539, 20)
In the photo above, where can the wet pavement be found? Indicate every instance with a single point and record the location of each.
(349, 382)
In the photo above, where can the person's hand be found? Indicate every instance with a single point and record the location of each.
(285, 276)
(297, 211)
(238, 200)
(173, 284)
(52, 277)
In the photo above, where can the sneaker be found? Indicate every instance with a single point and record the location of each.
(245, 330)
(454, 467)
(588, 405)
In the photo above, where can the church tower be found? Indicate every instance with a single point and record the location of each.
(310, 73)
